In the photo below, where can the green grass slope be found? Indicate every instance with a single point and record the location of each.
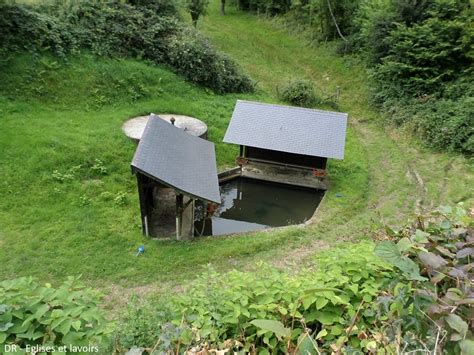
(62, 212)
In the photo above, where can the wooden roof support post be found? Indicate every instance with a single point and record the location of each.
(143, 204)
(179, 216)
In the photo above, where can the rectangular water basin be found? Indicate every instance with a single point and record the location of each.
(250, 204)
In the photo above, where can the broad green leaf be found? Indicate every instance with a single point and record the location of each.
(388, 252)
(308, 301)
(57, 322)
(306, 345)
(56, 313)
(421, 237)
(321, 302)
(445, 224)
(321, 289)
(3, 308)
(5, 326)
(76, 324)
(457, 323)
(326, 318)
(322, 333)
(65, 326)
(273, 326)
(3, 337)
(410, 268)
(467, 347)
(404, 244)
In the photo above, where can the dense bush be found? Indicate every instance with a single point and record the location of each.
(149, 30)
(421, 57)
(435, 255)
(423, 69)
(299, 93)
(316, 16)
(31, 315)
(443, 124)
(268, 7)
(192, 56)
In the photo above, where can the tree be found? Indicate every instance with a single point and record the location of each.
(196, 8)
(222, 7)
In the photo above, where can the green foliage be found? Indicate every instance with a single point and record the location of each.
(196, 9)
(444, 124)
(113, 28)
(435, 255)
(313, 15)
(299, 93)
(354, 301)
(192, 56)
(421, 57)
(31, 314)
(422, 67)
(303, 93)
(268, 7)
(269, 309)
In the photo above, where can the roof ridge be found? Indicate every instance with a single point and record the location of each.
(293, 107)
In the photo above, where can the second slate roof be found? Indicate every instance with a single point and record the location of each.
(178, 159)
(288, 129)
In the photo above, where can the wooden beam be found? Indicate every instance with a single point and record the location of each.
(143, 204)
(179, 216)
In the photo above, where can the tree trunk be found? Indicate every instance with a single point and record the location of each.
(222, 7)
(194, 18)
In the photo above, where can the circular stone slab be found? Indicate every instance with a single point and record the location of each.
(134, 127)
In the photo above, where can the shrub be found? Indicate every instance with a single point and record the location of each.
(268, 7)
(31, 315)
(25, 29)
(193, 57)
(442, 124)
(447, 124)
(422, 57)
(196, 9)
(149, 30)
(299, 93)
(271, 310)
(434, 256)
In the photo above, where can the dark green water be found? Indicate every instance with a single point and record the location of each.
(249, 205)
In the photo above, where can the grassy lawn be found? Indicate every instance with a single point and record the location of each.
(62, 212)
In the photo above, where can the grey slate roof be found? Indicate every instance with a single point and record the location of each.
(288, 129)
(178, 159)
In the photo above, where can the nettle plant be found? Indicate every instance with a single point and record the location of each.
(31, 315)
(332, 309)
(435, 256)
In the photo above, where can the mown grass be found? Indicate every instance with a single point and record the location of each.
(57, 115)
(57, 119)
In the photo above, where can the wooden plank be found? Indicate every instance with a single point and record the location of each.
(284, 175)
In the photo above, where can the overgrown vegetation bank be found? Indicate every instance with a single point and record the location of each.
(141, 29)
(419, 55)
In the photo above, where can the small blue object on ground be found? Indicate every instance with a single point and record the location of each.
(141, 250)
(338, 195)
